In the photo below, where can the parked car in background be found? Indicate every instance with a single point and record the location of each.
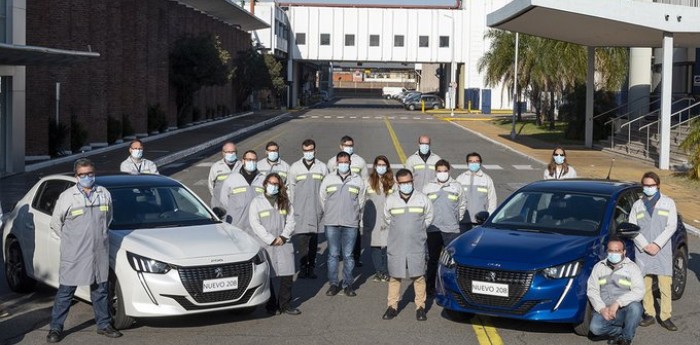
(169, 253)
(531, 259)
(389, 91)
(431, 102)
(410, 96)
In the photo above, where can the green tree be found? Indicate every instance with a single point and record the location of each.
(250, 75)
(275, 70)
(691, 144)
(196, 62)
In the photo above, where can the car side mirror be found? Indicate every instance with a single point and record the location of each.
(219, 212)
(481, 217)
(627, 230)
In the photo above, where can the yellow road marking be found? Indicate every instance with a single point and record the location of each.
(486, 334)
(395, 140)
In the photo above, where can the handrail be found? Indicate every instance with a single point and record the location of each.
(630, 112)
(690, 118)
(672, 115)
(624, 105)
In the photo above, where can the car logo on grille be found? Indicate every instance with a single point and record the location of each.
(219, 272)
(491, 276)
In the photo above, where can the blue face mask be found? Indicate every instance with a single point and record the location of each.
(272, 156)
(650, 191)
(474, 167)
(424, 149)
(615, 258)
(272, 189)
(137, 154)
(309, 156)
(348, 149)
(406, 188)
(251, 165)
(380, 169)
(86, 182)
(559, 160)
(230, 157)
(343, 168)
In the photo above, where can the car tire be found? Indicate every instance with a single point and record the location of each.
(680, 273)
(116, 305)
(436, 107)
(411, 107)
(16, 269)
(583, 328)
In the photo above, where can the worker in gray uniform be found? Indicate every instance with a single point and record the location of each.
(221, 170)
(273, 163)
(478, 189)
(407, 215)
(422, 163)
(239, 189)
(135, 164)
(81, 218)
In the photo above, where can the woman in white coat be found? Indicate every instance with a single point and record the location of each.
(380, 184)
(272, 222)
(559, 168)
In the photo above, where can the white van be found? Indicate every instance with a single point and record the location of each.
(389, 91)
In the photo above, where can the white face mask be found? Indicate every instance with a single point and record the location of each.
(348, 149)
(343, 168)
(424, 148)
(136, 154)
(309, 156)
(443, 176)
(272, 156)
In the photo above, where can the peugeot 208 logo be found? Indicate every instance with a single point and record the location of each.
(219, 272)
(491, 277)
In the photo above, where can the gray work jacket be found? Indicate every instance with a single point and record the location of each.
(218, 173)
(423, 171)
(449, 203)
(268, 222)
(407, 223)
(236, 196)
(342, 200)
(303, 189)
(657, 228)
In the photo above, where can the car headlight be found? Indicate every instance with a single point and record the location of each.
(568, 270)
(446, 259)
(144, 264)
(260, 257)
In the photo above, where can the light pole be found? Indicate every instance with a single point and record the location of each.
(453, 71)
(515, 87)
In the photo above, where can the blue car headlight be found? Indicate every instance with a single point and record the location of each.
(143, 264)
(568, 270)
(446, 259)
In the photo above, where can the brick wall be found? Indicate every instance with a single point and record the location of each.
(133, 38)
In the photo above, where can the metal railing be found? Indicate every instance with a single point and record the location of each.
(629, 123)
(625, 105)
(678, 125)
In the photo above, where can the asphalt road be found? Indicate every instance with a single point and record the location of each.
(341, 319)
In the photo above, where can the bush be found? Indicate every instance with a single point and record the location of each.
(78, 134)
(114, 130)
(127, 128)
(156, 119)
(574, 112)
(58, 133)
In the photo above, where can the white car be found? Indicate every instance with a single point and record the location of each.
(169, 253)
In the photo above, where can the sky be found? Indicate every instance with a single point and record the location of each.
(439, 3)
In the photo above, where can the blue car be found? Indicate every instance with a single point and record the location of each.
(531, 258)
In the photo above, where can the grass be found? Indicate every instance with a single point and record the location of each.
(528, 128)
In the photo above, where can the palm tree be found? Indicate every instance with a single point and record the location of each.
(692, 144)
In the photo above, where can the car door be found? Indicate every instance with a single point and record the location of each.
(47, 257)
(623, 207)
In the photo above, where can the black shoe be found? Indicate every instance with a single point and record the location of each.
(668, 324)
(348, 291)
(611, 341)
(647, 320)
(333, 290)
(420, 314)
(623, 341)
(109, 332)
(303, 273)
(54, 336)
(390, 313)
(290, 311)
(310, 273)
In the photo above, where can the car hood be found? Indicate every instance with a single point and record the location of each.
(529, 250)
(180, 245)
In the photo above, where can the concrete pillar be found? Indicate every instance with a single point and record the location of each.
(640, 81)
(463, 70)
(666, 86)
(590, 89)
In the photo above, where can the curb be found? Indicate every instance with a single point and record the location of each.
(192, 150)
(692, 230)
(70, 158)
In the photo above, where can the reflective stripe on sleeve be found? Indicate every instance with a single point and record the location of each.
(317, 176)
(104, 208)
(78, 212)
(264, 214)
(415, 210)
(354, 190)
(640, 215)
(238, 190)
(452, 197)
(662, 213)
(221, 177)
(602, 281)
(331, 189)
(301, 177)
(482, 190)
(432, 196)
(396, 211)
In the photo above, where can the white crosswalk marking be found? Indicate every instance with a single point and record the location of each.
(340, 117)
(523, 167)
(365, 117)
(314, 117)
(326, 117)
(404, 118)
(492, 167)
(353, 117)
(377, 117)
(205, 165)
(417, 117)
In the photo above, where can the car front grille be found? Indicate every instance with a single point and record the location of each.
(192, 278)
(522, 309)
(518, 285)
(185, 303)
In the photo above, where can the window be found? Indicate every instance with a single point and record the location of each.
(398, 40)
(48, 194)
(374, 40)
(301, 39)
(325, 39)
(423, 41)
(444, 41)
(3, 21)
(349, 40)
(623, 208)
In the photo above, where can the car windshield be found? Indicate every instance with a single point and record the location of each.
(552, 212)
(156, 207)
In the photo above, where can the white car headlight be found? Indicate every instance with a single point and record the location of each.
(144, 264)
(446, 259)
(568, 270)
(260, 257)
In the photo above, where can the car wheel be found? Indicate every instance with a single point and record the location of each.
(680, 273)
(436, 107)
(584, 327)
(116, 305)
(16, 269)
(411, 107)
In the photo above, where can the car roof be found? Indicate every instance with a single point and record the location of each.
(584, 186)
(118, 180)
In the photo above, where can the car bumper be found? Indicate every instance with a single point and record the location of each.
(548, 300)
(157, 295)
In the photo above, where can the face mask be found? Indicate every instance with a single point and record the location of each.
(348, 149)
(614, 258)
(309, 156)
(424, 149)
(251, 165)
(559, 160)
(406, 188)
(272, 189)
(650, 191)
(474, 167)
(443, 176)
(230, 157)
(343, 168)
(272, 156)
(380, 169)
(86, 182)
(137, 154)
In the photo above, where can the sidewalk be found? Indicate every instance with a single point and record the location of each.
(593, 163)
(163, 149)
